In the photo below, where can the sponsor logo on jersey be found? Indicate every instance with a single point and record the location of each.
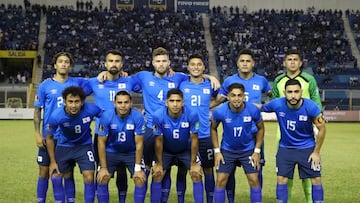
(151, 83)
(100, 86)
(113, 126)
(53, 91)
(282, 114)
(166, 125)
(228, 120)
(186, 90)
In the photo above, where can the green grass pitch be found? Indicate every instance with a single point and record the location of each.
(341, 165)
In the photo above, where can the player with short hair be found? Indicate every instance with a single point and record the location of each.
(120, 143)
(296, 116)
(198, 95)
(237, 145)
(293, 63)
(104, 94)
(48, 98)
(74, 143)
(176, 130)
(255, 86)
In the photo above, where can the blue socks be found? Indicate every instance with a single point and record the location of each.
(89, 192)
(58, 189)
(255, 194)
(69, 186)
(282, 193)
(42, 187)
(219, 195)
(318, 193)
(166, 185)
(139, 194)
(103, 193)
(198, 192)
(209, 187)
(155, 195)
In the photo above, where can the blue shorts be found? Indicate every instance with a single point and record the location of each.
(66, 157)
(183, 158)
(206, 152)
(116, 159)
(149, 147)
(43, 158)
(286, 159)
(233, 159)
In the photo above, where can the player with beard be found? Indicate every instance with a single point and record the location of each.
(237, 144)
(298, 145)
(104, 94)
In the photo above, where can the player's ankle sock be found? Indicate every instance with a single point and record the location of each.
(89, 192)
(42, 187)
(198, 191)
(255, 194)
(282, 193)
(69, 186)
(155, 194)
(181, 187)
(209, 187)
(122, 186)
(103, 193)
(318, 193)
(290, 186)
(58, 189)
(166, 184)
(139, 194)
(230, 188)
(219, 195)
(307, 186)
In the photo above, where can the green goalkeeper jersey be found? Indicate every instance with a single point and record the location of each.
(308, 85)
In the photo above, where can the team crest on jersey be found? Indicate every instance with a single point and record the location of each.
(130, 126)
(282, 114)
(53, 91)
(100, 86)
(113, 126)
(247, 119)
(255, 87)
(186, 90)
(121, 86)
(206, 91)
(151, 83)
(184, 124)
(86, 120)
(303, 118)
(171, 85)
(228, 120)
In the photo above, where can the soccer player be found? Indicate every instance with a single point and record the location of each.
(237, 145)
(293, 63)
(296, 116)
(120, 143)
(74, 143)
(255, 86)
(48, 98)
(176, 130)
(104, 94)
(198, 94)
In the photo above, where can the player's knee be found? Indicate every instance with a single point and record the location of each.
(221, 180)
(195, 177)
(139, 181)
(316, 181)
(208, 170)
(88, 176)
(44, 171)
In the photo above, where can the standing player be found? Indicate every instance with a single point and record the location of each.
(104, 94)
(293, 63)
(198, 95)
(49, 98)
(237, 145)
(176, 128)
(255, 85)
(296, 116)
(120, 142)
(74, 143)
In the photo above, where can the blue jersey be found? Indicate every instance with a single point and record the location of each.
(104, 92)
(121, 132)
(49, 96)
(237, 126)
(197, 98)
(175, 131)
(154, 90)
(74, 130)
(254, 87)
(296, 127)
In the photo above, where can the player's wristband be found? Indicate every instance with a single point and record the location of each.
(257, 150)
(217, 150)
(137, 167)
